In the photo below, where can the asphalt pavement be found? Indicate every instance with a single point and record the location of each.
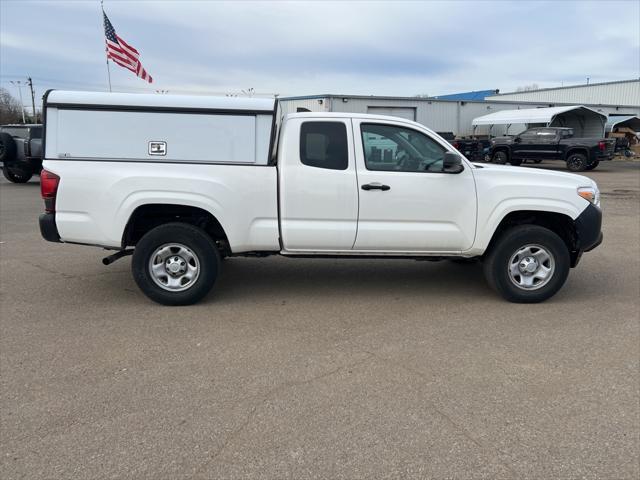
(313, 368)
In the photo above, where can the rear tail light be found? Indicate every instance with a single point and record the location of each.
(456, 145)
(602, 146)
(48, 189)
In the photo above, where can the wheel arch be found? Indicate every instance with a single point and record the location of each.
(579, 149)
(561, 224)
(148, 216)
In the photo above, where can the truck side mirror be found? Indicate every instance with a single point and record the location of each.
(517, 140)
(452, 163)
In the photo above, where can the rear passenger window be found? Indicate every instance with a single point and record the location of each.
(324, 145)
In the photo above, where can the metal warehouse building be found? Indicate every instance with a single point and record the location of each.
(623, 93)
(451, 115)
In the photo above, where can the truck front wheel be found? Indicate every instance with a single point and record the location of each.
(175, 264)
(500, 157)
(528, 264)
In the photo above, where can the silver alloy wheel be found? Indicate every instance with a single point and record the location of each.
(531, 267)
(174, 267)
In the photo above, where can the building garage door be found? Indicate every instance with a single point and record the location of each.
(403, 112)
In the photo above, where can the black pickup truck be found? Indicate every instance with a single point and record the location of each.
(552, 143)
(472, 148)
(20, 151)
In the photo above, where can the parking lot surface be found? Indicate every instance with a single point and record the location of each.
(318, 368)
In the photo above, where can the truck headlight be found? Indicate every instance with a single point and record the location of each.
(591, 194)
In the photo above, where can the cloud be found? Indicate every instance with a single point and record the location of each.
(392, 48)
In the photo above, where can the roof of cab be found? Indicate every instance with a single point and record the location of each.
(144, 100)
(364, 116)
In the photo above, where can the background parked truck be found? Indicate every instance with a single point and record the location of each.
(552, 143)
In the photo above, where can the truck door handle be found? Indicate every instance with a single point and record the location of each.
(376, 186)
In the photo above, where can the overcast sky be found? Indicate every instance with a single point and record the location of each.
(297, 48)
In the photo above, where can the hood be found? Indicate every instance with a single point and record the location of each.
(535, 174)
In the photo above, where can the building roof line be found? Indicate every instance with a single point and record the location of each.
(580, 85)
(431, 99)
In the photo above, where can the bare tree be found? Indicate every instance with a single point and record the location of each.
(9, 108)
(528, 88)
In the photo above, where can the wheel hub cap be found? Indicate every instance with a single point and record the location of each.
(531, 267)
(528, 265)
(174, 267)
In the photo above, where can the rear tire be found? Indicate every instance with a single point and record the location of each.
(17, 174)
(500, 157)
(528, 264)
(577, 162)
(180, 246)
(593, 165)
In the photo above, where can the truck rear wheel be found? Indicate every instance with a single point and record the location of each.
(577, 162)
(593, 165)
(528, 264)
(175, 264)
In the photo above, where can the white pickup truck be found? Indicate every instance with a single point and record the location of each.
(183, 182)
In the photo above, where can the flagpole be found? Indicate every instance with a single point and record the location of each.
(109, 75)
(108, 69)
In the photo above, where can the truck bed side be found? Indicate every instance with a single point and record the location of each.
(96, 199)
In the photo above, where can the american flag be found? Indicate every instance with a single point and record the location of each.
(122, 53)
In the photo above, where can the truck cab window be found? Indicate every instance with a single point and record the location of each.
(324, 145)
(547, 132)
(392, 148)
(567, 133)
(529, 134)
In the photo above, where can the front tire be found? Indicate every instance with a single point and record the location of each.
(500, 157)
(528, 264)
(175, 264)
(577, 162)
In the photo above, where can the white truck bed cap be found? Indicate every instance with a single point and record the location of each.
(143, 100)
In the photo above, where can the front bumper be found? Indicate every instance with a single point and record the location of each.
(48, 228)
(588, 232)
(589, 228)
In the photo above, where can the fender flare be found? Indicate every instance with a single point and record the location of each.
(500, 212)
(137, 199)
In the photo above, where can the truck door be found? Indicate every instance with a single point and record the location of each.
(317, 185)
(407, 204)
(525, 145)
(548, 139)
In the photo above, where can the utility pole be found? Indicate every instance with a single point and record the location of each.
(33, 100)
(18, 84)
